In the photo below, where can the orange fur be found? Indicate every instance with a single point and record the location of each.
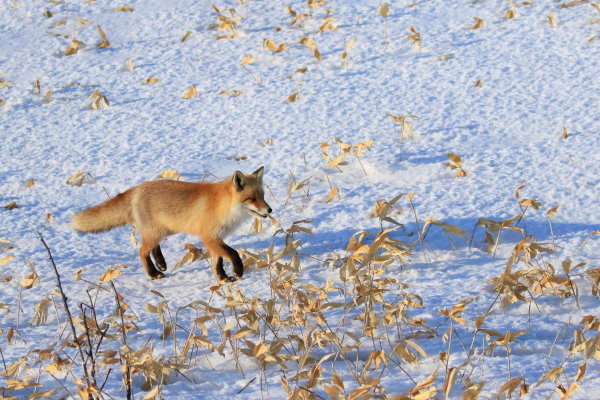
(162, 208)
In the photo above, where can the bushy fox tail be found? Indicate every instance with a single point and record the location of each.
(110, 214)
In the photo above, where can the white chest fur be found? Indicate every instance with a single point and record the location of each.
(237, 216)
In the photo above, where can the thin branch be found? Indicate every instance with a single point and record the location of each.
(70, 317)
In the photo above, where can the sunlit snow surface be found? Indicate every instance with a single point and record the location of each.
(535, 81)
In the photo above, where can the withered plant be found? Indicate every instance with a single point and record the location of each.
(404, 126)
(455, 163)
(345, 54)
(227, 23)
(247, 60)
(415, 38)
(384, 11)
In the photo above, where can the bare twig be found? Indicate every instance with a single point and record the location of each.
(70, 317)
(128, 380)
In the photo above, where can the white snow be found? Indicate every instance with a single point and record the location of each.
(535, 81)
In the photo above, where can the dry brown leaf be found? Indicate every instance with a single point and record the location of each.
(565, 394)
(185, 36)
(111, 273)
(256, 225)
(384, 10)
(248, 60)
(316, 3)
(299, 71)
(580, 372)
(231, 92)
(472, 393)
(242, 332)
(328, 25)
(170, 174)
(41, 313)
(48, 96)
(100, 101)
(72, 49)
(449, 382)
(533, 203)
(6, 259)
(39, 395)
(152, 393)
(124, 9)
(191, 92)
(74, 178)
(478, 23)
(11, 206)
(332, 194)
(308, 42)
(151, 81)
(317, 54)
(101, 32)
(193, 254)
(424, 383)
(455, 158)
(510, 386)
(553, 20)
(29, 281)
(573, 3)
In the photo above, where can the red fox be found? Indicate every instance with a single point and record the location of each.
(161, 208)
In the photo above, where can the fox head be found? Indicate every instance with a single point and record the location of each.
(249, 189)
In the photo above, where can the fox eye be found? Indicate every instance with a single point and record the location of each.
(252, 199)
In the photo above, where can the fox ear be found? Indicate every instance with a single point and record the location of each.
(239, 181)
(259, 173)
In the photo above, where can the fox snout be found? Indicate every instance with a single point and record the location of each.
(261, 211)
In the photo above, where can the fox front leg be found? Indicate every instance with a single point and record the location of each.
(220, 271)
(219, 250)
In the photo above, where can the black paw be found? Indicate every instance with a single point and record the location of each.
(227, 279)
(162, 266)
(157, 275)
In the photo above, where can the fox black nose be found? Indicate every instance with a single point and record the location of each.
(269, 210)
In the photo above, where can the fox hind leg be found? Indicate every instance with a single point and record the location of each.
(145, 249)
(159, 258)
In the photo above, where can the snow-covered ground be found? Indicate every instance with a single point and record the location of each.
(500, 96)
